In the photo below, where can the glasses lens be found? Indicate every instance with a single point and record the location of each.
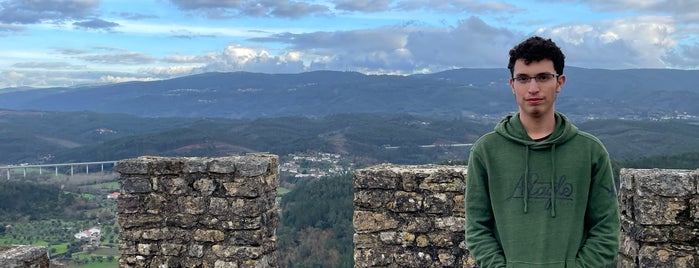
(543, 77)
(522, 79)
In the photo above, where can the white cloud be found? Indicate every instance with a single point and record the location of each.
(121, 79)
(635, 42)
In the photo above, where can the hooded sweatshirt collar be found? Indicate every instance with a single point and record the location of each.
(512, 129)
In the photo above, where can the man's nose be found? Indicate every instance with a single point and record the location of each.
(532, 86)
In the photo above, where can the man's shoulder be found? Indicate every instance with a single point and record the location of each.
(589, 137)
(487, 137)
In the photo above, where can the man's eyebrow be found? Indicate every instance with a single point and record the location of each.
(523, 74)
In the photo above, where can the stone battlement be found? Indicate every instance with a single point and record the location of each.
(220, 212)
(24, 257)
(198, 212)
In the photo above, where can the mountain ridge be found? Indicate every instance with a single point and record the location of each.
(475, 93)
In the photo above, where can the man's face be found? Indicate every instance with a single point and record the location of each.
(536, 97)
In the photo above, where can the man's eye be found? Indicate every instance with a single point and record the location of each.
(543, 77)
(522, 78)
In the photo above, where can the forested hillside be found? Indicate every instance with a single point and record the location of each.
(316, 228)
(31, 201)
(42, 137)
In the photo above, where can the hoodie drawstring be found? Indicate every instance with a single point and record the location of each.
(553, 179)
(526, 179)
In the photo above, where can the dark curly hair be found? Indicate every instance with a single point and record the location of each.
(536, 48)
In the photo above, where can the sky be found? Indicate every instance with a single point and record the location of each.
(58, 43)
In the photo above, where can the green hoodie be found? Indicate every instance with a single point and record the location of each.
(541, 204)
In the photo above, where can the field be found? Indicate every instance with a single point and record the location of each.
(96, 210)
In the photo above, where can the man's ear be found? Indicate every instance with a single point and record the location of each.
(561, 80)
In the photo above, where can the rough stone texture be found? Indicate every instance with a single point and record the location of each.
(198, 212)
(660, 218)
(24, 257)
(410, 216)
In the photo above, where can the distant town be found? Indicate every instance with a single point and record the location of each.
(314, 165)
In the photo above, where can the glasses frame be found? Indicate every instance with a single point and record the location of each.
(539, 78)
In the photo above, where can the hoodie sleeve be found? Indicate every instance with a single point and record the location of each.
(480, 236)
(602, 220)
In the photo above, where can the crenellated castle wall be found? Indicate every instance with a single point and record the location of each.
(198, 212)
(660, 218)
(24, 257)
(413, 216)
(410, 216)
(220, 212)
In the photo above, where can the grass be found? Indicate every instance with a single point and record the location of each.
(282, 191)
(112, 186)
(104, 252)
(104, 264)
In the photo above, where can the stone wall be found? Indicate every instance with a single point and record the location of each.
(410, 216)
(24, 257)
(660, 218)
(220, 212)
(198, 212)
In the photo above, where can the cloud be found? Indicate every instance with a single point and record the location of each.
(70, 51)
(96, 24)
(48, 65)
(9, 28)
(189, 59)
(136, 16)
(683, 56)
(185, 34)
(240, 58)
(34, 11)
(683, 10)
(250, 8)
(122, 79)
(621, 43)
(46, 78)
(363, 5)
(404, 49)
(450, 6)
(125, 58)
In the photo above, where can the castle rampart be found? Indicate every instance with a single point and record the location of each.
(220, 212)
(198, 212)
(659, 218)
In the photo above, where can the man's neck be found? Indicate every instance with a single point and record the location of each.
(538, 127)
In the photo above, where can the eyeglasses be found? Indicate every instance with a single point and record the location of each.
(539, 78)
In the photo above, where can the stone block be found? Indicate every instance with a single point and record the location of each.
(443, 180)
(418, 223)
(694, 208)
(406, 202)
(373, 258)
(376, 179)
(626, 178)
(373, 199)
(665, 255)
(135, 185)
(132, 166)
(251, 166)
(455, 224)
(668, 183)
(659, 210)
(438, 203)
(365, 221)
(24, 256)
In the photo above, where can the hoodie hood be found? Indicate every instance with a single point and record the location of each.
(512, 129)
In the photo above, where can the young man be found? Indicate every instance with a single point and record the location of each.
(539, 192)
